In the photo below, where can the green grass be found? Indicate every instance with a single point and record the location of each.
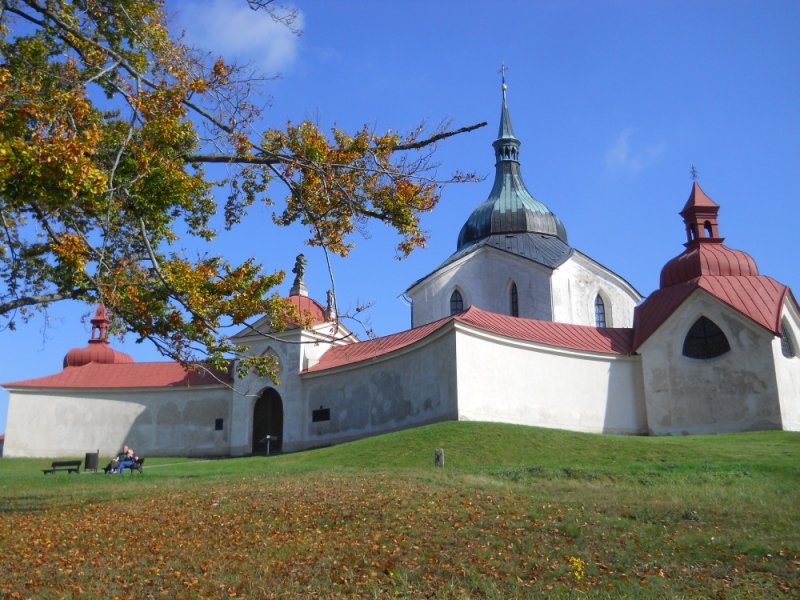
(516, 512)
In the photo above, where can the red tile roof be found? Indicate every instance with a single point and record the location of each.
(757, 298)
(360, 351)
(130, 375)
(561, 335)
(608, 340)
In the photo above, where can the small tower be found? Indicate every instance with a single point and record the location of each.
(700, 216)
(98, 350)
(100, 323)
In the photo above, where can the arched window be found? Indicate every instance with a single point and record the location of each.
(705, 340)
(787, 343)
(599, 312)
(456, 303)
(514, 300)
(707, 227)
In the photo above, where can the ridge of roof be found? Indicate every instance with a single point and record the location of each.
(558, 335)
(126, 375)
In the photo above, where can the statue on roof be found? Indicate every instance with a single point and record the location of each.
(299, 270)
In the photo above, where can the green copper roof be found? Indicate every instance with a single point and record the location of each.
(510, 207)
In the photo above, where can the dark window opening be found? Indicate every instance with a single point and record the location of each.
(599, 312)
(514, 300)
(707, 227)
(787, 344)
(320, 414)
(705, 340)
(218, 424)
(456, 303)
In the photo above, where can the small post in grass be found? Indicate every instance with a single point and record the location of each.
(438, 457)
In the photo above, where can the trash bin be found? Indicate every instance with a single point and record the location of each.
(90, 461)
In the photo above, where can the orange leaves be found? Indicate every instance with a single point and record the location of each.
(72, 250)
(338, 183)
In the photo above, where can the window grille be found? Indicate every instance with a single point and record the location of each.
(705, 340)
(787, 343)
(456, 303)
(599, 312)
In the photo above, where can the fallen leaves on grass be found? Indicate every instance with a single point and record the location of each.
(359, 535)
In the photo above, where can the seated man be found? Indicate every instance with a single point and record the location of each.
(127, 458)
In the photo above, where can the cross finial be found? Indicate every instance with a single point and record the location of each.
(694, 173)
(502, 71)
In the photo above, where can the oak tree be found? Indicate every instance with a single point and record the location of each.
(106, 123)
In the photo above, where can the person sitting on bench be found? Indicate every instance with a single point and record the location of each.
(127, 458)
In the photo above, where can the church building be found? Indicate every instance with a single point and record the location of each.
(516, 326)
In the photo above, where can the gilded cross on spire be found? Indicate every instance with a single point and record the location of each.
(502, 71)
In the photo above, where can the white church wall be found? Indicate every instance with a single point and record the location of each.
(295, 351)
(788, 369)
(737, 391)
(577, 282)
(410, 387)
(289, 348)
(154, 421)
(484, 280)
(510, 381)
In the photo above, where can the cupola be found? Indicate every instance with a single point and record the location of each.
(510, 207)
(705, 253)
(98, 350)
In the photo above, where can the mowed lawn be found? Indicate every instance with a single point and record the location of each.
(516, 512)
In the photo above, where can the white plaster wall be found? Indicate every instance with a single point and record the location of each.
(407, 388)
(296, 350)
(154, 421)
(484, 279)
(788, 370)
(737, 391)
(577, 282)
(510, 381)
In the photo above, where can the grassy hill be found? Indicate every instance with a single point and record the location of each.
(515, 512)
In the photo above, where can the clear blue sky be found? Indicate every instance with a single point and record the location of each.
(613, 101)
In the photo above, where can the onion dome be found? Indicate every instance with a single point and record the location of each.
(510, 207)
(705, 253)
(98, 350)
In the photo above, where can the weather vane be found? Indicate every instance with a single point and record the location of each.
(694, 173)
(502, 72)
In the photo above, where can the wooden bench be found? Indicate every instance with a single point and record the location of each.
(137, 466)
(71, 466)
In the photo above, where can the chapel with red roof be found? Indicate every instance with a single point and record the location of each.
(516, 326)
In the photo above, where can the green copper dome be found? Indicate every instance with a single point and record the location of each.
(510, 207)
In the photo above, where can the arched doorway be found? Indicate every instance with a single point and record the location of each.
(268, 423)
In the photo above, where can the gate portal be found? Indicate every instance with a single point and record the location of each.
(268, 423)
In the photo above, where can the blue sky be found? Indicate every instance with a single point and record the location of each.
(614, 101)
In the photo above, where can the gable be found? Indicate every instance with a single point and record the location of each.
(759, 299)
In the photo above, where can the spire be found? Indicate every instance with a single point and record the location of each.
(506, 131)
(506, 146)
(510, 207)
